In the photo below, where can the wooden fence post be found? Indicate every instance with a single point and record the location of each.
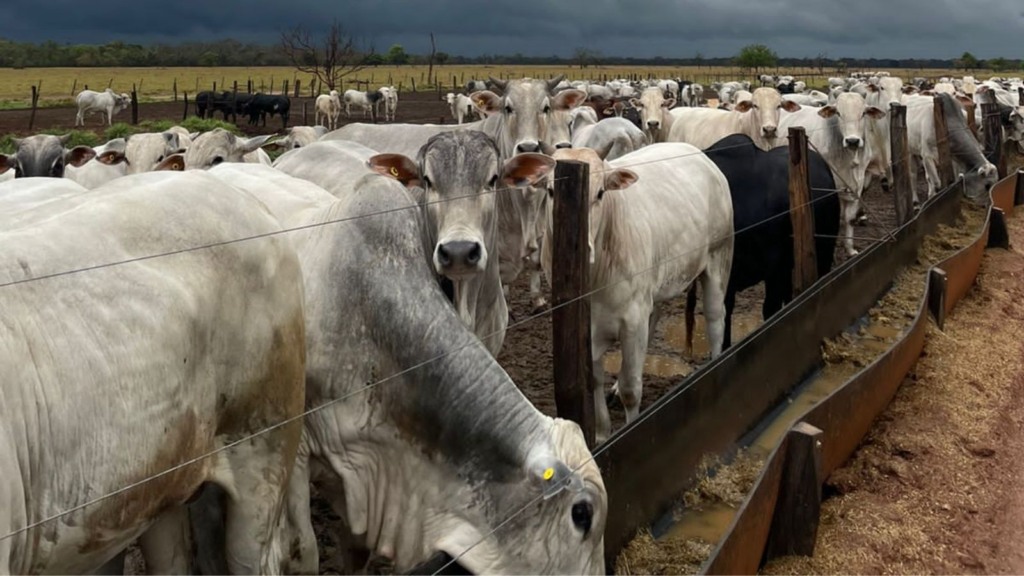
(993, 128)
(798, 508)
(175, 89)
(296, 88)
(945, 159)
(801, 213)
(570, 316)
(902, 193)
(304, 113)
(234, 103)
(972, 122)
(185, 115)
(35, 102)
(73, 86)
(937, 281)
(135, 105)
(1018, 192)
(413, 79)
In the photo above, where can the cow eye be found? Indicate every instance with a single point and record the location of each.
(547, 109)
(600, 194)
(583, 516)
(508, 109)
(217, 160)
(427, 182)
(494, 181)
(58, 168)
(160, 158)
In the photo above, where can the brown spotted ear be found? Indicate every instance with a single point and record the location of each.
(790, 106)
(874, 112)
(486, 102)
(568, 99)
(175, 162)
(964, 100)
(396, 166)
(668, 103)
(619, 179)
(79, 155)
(743, 106)
(827, 111)
(7, 162)
(909, 89)
(112, 157)
(526, 169)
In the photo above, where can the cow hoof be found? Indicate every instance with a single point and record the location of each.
(541, 306)
(852, 253)
(917, 207)
(612, 400)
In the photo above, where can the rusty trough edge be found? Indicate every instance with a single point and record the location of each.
(847, 414)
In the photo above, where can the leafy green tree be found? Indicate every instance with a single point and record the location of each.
(756, 56)
(397, 55)
(968, 61)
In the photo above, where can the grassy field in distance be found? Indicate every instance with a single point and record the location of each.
(58, 86)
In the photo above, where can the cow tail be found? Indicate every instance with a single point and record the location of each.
(691, 308)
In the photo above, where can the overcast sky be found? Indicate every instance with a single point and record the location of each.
(643, 28)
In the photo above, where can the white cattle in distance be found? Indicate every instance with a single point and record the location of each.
(328, 109)
(362, 100)
(839, 133)
(193, 368)
(660, 219)
(691, 95)
(461, 107)
(389, 101)
(107, 102)
(758, 118)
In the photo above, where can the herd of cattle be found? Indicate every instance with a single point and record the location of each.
(192, 333)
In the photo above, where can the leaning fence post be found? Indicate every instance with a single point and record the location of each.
(945, 160)
(801, 215)
(901, 187)
(35, 102)
(184, 116)
(993, 128)
(570, 315)
(135, 105)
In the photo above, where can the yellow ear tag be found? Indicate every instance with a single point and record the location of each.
(394, 172)
(549, 473)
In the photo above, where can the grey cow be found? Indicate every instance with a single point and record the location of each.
(45, 155)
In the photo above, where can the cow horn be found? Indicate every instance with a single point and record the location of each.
(605, 149)
(500, 84)
(555, 81)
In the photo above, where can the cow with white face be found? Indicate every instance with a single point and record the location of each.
(758, 118)
(839, 133)
(216, 146)
(660, 219)
(654, 107)
(107, 102)
(460, 105)
(461, 175)
(527, 116)
(887, 92)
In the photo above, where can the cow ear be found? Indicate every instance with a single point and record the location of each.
(250, 144)
(827, 111)
(112, 157)
(635, 103)
(7, 162)
(609, 111)
(619, 179)
(790, 106)
(569, 99)
(63, 138)
(743, 106)
(526, 169)
(193, 135)
(79, 155)
(486, 102)
(872, 88)
(668, 103)
(875, 113)
(396, 166)
(175, 162)
(964, 100)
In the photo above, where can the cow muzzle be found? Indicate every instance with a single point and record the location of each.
(653, 124)
(459, 258)
(853, 142)
(527, 146)
(769, 131)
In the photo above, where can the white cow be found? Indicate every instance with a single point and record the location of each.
(107, 102)
(362, 100)
(691, 95)
(758, 118)
(299, 136)
(150, 365)
(461, 106)
(389, 100)
(618, 135)
(655, 119)
(216, 146)
(109, 163)
(840, 134)
(812, 98)
(670, 86)
(438, 416)
(735, 98)
(887, 92)
(979, 174)
(655, 228)
(43, 155)
(328, 109)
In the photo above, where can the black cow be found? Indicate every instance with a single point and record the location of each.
(262, 105)
(227, 103)
(787, 87)
(763, 246)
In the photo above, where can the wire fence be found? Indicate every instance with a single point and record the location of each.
(828, 193)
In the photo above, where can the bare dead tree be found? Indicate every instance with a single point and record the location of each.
(430, 68)
(330, 59)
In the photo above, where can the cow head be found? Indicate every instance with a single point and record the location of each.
(530, 115)
(1014, 128)
(44, 155)
(461, 174)
(851, 112)
(603, 179)
(978, 182)
(764, 106)
(146, 151)
(653, 105)
(219, 145)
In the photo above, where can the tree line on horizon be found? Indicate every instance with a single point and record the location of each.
(229, 52)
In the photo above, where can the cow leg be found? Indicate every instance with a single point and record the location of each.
(730, 304)
(599, 344)
(713, 284)
(848, 212)
(540, 303)
(931, 171)
(260, 469)
(915, 164)
(634, 336)
(167, 544)
(301, 554)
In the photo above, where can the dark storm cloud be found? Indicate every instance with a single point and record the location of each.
(645, 28)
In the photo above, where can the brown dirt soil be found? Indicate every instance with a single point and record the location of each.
(935, 487)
